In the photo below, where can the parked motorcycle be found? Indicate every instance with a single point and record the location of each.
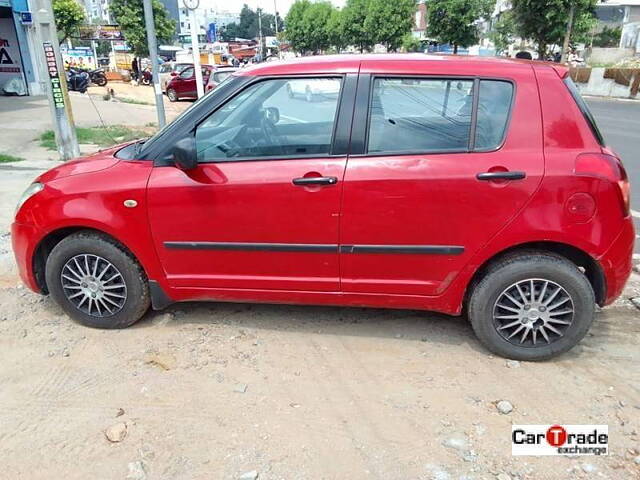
(77, 80)
(98, 77)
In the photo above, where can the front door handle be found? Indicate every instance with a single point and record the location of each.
(488, 176)
(315, 181)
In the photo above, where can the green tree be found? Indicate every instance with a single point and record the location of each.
(503, 32)
(545, 21)
(389, 21)
(129, 14)
(411, 43)
(249, 25)
(456, 21)
(355, 29)
(608, 37)
(336, 29)
(69, 15)
(316, 20)
(296, 32)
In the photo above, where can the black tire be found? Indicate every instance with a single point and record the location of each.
(95, 244)
(547, 267)
(100, 80)
(172, 95)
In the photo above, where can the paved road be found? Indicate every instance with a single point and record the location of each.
(619, 122)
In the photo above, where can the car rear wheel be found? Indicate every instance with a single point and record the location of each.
(96, 281)
(532, 306)
(172, 94)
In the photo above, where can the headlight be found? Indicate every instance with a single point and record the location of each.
(28, 193)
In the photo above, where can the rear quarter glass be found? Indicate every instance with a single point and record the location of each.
(584, 108)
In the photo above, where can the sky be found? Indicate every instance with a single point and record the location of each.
(266, 5)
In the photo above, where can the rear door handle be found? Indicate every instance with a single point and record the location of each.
(488, 176)
(315, 181)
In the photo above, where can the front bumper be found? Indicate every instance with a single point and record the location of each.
(24, 239)
(617, 261)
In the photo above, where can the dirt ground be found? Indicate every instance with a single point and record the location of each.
(218, 391)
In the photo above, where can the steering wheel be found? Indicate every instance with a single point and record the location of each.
(271, 135)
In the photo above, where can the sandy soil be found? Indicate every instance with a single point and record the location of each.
(208, 391)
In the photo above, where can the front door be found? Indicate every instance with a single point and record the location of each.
(426, 192)
(261, 210)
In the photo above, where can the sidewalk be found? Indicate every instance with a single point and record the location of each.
(23, 119)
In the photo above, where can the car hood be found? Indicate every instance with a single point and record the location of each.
(88, 164)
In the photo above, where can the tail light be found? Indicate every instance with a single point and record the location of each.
(607, 167)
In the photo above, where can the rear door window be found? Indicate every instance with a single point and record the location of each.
(494, 107)
(415, 115)
(409, 115)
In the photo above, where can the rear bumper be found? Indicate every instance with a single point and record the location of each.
(617, 261)
(24, 239)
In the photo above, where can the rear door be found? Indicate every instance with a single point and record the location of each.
(261, 210)
(440, 163)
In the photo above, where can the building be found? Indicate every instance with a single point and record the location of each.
(97, 10)
(17, 43)
(205, 16)
(420, 21)
(622, 14)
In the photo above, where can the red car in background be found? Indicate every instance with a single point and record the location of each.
(183, 85)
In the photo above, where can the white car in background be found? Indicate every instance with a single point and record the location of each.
(168, 70)
(317, 89)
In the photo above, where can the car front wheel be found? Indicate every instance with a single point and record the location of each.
(172, 94)
(532, 306)
(96, 281)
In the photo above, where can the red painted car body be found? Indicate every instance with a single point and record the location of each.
(567, 203)
(184, 83)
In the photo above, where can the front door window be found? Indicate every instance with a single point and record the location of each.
(269, 119)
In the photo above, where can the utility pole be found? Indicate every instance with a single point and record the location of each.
(191, 5)
(275, 9)
(153, 54)
(567, 36)
(260, 32)
(52, 72)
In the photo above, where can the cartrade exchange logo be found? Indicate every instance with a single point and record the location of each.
(560, 440)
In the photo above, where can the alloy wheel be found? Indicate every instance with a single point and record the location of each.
(532, 313)
(93, 285)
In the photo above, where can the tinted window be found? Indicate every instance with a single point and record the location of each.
(269, 119)
(165, 68)
(410, 115)
(494, 105)
(584, 109)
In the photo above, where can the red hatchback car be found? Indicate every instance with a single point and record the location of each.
(438, 183)
(183, 85)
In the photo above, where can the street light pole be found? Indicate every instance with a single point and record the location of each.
(153, 54)
(53, 74)
(191, 5)
(275, 11)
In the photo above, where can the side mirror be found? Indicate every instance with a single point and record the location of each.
(184, 154)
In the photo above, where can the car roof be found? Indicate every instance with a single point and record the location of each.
(381, 62)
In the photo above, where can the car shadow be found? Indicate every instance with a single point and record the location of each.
(408, 325)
